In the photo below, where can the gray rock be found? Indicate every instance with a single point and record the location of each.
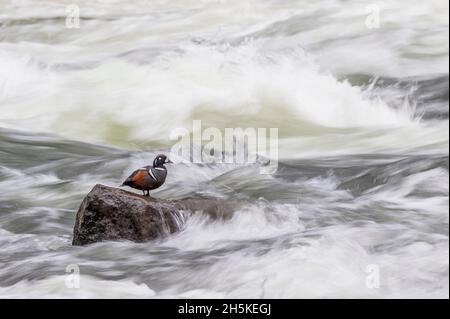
(109, 213)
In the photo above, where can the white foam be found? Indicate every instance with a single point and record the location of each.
(90, 287)
(253, 88)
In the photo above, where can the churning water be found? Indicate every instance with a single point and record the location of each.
(361, 188)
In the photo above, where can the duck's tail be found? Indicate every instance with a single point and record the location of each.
(126, 183)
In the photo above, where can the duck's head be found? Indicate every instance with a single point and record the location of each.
(160, 160)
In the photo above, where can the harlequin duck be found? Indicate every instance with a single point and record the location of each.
(149, 177)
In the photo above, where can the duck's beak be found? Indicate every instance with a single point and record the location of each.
(168, 162)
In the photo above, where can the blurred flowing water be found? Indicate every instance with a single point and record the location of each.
(363, 125)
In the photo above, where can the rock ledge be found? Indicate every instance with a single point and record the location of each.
(109, 213)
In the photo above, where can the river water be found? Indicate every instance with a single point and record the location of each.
(358, 207)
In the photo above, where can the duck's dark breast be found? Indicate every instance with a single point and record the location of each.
(160, 174)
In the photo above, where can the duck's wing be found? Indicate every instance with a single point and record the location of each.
(136, 176)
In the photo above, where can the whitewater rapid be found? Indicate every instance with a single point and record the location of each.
(362, 116)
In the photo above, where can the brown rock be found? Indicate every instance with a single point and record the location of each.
(109, 213)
